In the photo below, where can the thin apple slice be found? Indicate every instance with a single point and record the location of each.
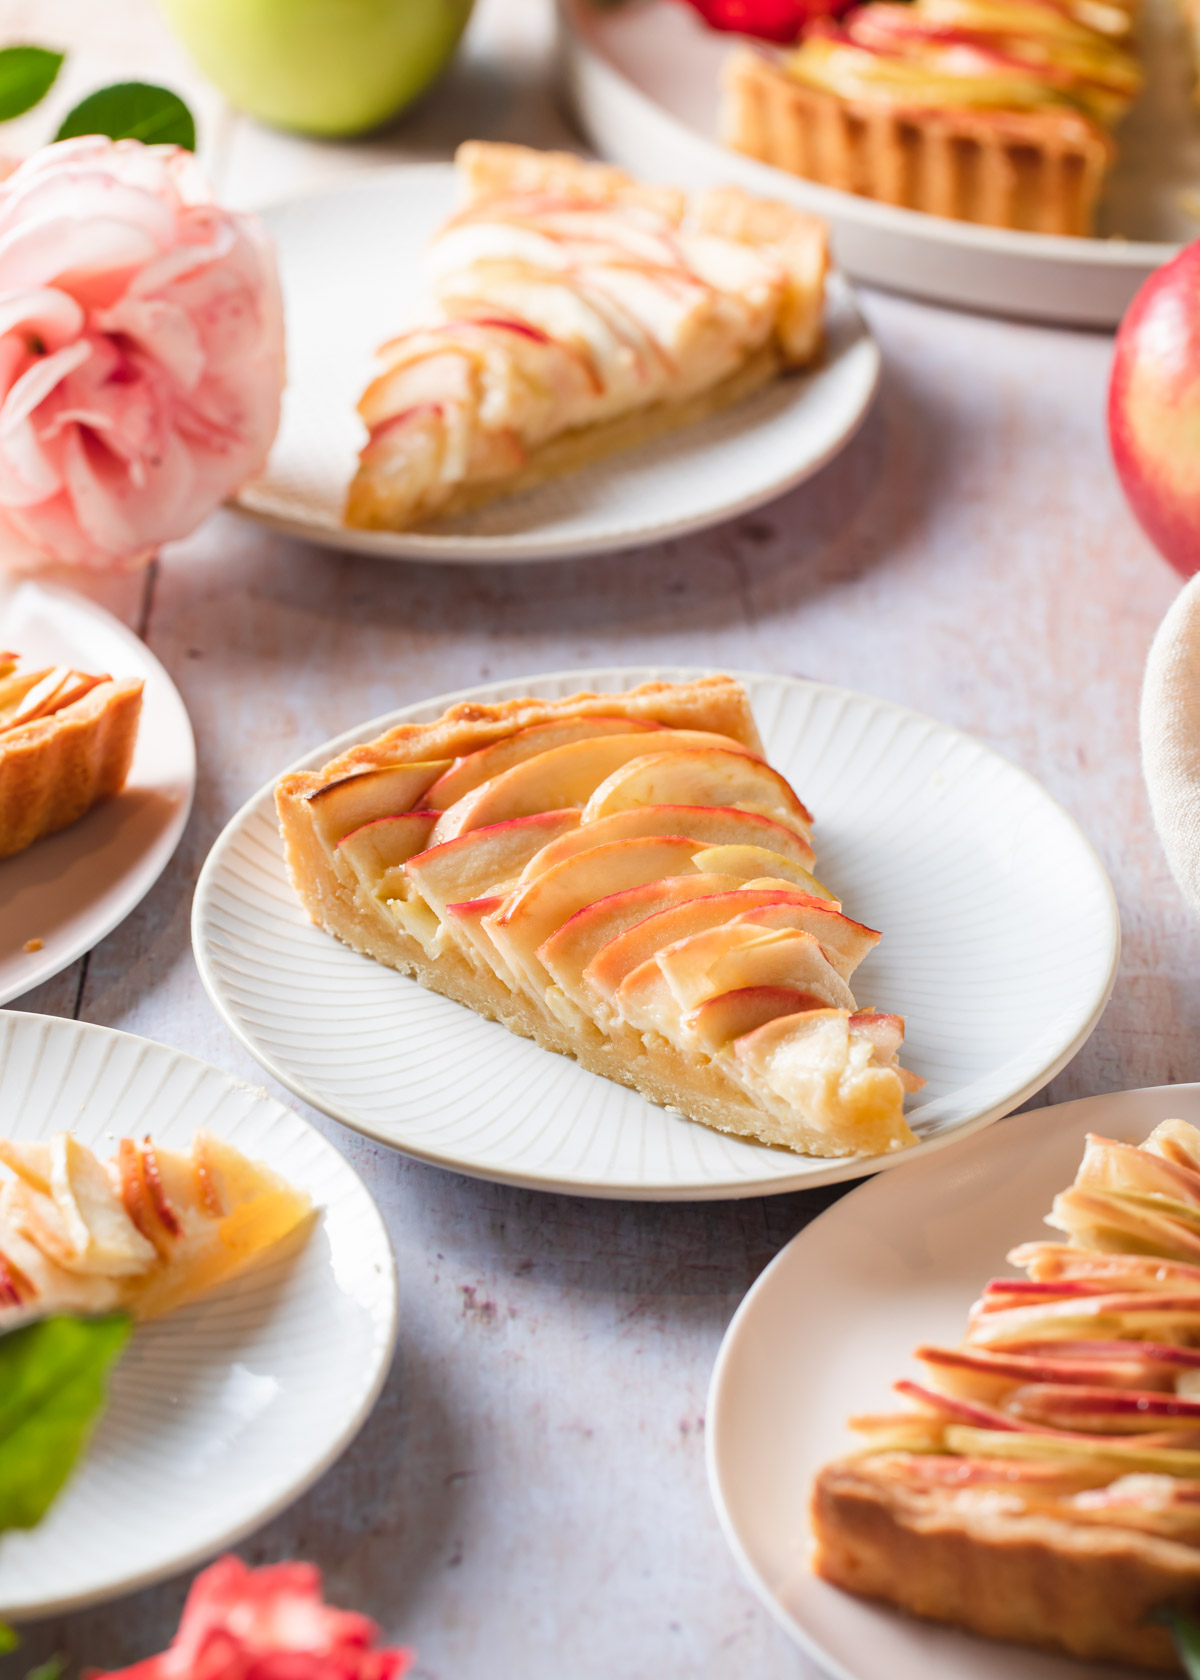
(567, 775)
(569, 951)
(697, 775)
(532, 914)
(727, 959)
(818, 1066)
(753, 863)
(467, 773)
(377, 849)
(732, 1014)
(844, 942)
(626, 950)
(977, 1374)
(486, 858)
(719, 826)
(30, 1161)
(351, 802)
(646, 1002)
(463, 925)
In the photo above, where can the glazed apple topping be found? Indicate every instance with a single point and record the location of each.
(1013, 55)
(28, 696)
(1088, 1367)
(144, 1231)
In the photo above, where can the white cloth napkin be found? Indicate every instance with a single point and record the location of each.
(1171, 738)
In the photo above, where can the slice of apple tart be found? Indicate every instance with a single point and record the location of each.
(144, 1232)
(578, 312)
(66, 743)
(1044, 1484)
(624, 879)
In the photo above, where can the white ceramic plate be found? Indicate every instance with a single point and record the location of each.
(1000, 944)
(72, 888)
(351, 270)
(226, 1411)
(643, 76)
(899, 1262)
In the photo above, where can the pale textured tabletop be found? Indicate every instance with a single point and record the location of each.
(529, 1497)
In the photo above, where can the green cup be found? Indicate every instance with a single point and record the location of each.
(330, 67)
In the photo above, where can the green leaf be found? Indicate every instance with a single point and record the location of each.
(52, 1669)
(133, 111)
(9, 1639)
(53, 1381)
(26, 77)
(1186, 1634)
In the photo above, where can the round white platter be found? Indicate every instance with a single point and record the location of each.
(898, 1262)
(1000, 945)
(72, 888)
(224, 1412)
(643, 78)
(352, 278)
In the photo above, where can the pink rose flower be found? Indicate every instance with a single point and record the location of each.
(267, 1624)
(141, 352)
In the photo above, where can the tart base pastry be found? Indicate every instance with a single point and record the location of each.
(539, 862)
(1037, 171)
(1044, 1485)
(578, 313)
(67, 756)
(1029, 1580)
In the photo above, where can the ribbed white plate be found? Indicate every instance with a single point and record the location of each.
(351, 270)
(226, 1411)
(899, 1262)
(1000, 945)
(72, 888)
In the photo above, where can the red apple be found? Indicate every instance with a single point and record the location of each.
(1154, 409)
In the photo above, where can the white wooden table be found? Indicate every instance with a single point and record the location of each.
(529, 1497)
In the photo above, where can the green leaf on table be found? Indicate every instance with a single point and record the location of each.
(26, 77)
(53, 1385)
(52, 1669)
(133, 111)
(1186, 1634)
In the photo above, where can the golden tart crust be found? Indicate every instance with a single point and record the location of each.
(54, 769)
(1036, 171)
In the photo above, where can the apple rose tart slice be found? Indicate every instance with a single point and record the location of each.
(1044, 1486)
(145, 1232)
(624, 879)
(66, 742)
(992, 111)
(577, 313)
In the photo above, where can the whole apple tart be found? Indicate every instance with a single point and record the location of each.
(624, 879)
(1044, 1487)
(992, 111)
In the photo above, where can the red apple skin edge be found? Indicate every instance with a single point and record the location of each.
(1154, 409)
